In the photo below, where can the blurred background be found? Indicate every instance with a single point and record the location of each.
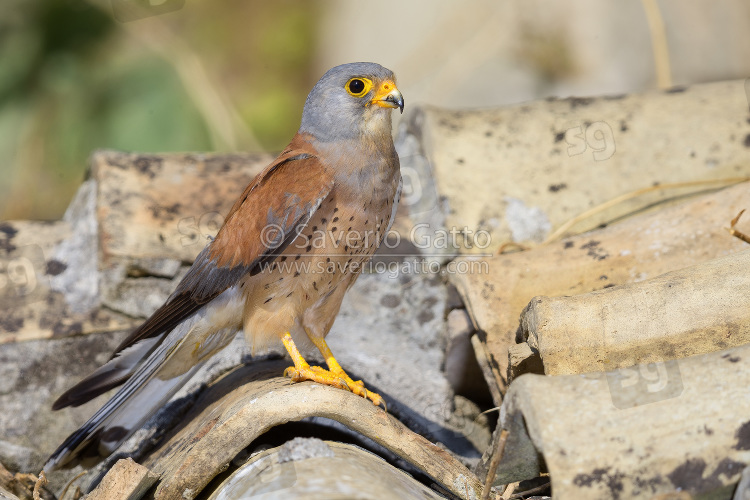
(190, 75)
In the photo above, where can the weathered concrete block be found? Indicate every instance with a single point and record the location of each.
(691, 311)
(126, 480)
(521, 171)
(641, 247)
(635, 432)
(311, 468)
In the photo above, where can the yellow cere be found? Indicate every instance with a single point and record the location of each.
(385, 89)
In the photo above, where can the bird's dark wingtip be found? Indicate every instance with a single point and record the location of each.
(60, 403)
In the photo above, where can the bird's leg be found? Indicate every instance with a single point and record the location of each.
(303, 371)
(335, 376)
(357, 387)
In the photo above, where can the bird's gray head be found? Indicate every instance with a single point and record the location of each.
(351, 101)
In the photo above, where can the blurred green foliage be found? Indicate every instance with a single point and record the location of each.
(72, 80)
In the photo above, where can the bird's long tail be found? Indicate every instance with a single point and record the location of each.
(152, 378)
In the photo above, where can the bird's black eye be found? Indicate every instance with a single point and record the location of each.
(358, 87)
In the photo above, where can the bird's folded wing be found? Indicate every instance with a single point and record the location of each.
(271, 212)
(268, 215)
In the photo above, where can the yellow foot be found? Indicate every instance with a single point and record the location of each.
(316, 374)
(334, 379)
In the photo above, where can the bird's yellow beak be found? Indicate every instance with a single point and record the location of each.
(388, 96)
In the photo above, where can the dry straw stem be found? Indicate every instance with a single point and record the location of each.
(734, 232)
(658, 43)
(40, 483)
(526, 493)
(67, 486)
(492, 471)
(562, 230)
(509, 491)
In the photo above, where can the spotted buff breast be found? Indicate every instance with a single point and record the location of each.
(291, 246)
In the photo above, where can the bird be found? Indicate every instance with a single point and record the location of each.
(290, 247)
